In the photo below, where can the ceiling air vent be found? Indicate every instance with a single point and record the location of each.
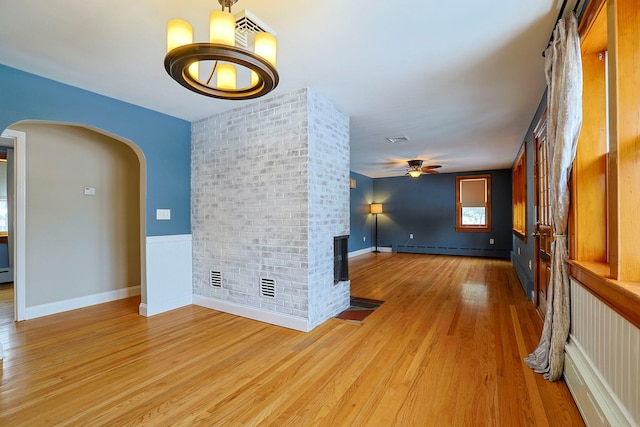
(247, 24)
(397, 139)
(267, 288)
(215, 279)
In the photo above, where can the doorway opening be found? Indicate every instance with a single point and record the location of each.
(17, 135)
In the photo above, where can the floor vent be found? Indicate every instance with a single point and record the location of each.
(267, 288)
(215, 279)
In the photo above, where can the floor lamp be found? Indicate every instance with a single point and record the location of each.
(375, 209)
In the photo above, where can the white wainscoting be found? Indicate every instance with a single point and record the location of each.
(602, 368)
(80, 302)
(169, 274)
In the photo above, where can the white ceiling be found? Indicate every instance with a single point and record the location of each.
(461, 79)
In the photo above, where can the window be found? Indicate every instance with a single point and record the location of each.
(519, 183)
(605, 199)
(473, 200)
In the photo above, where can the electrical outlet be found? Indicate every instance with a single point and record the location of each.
(364, 238)
(518, 251)
(492, 241)
(530, 265)
(411, 236)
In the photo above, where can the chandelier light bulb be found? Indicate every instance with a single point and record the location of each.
(266, 46)
(180, 33)
(226, 76)
(222, 28)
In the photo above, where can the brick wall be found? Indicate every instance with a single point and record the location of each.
(269, 192)
(328, 137)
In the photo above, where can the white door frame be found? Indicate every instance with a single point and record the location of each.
(19, 221)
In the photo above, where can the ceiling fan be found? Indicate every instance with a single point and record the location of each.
(416, 169)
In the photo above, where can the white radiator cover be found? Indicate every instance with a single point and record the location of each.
(602, 368)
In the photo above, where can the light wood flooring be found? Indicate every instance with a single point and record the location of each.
(445, 349)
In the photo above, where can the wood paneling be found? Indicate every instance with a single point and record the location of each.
(446, 348)
(589, 175)
(624, 87)
(593, 28)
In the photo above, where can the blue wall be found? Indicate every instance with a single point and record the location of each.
(426, 207)
(164, 140)
(524, 251)
(360, 236)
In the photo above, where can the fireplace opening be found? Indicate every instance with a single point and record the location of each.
(340, 259)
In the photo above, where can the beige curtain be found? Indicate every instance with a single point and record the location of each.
(563, 69)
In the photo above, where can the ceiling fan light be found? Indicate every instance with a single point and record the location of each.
(222, 28)
(415, 173)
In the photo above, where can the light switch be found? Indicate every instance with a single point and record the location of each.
(163, 214)
(89, 191)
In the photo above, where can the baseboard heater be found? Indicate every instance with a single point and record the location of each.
(450, 250)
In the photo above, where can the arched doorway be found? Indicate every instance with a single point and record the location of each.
(84, 252)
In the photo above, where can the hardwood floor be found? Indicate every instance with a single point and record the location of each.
(445, 349)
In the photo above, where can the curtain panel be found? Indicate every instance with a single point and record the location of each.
(563, 70)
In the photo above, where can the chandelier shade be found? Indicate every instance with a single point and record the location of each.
(226, 78)
(222, 28)
(180, 33)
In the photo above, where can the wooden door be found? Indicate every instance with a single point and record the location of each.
(543, 231)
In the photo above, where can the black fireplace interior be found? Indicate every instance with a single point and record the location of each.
(340, 259)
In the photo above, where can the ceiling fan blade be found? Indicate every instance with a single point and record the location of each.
(431, 167)
(431, 171)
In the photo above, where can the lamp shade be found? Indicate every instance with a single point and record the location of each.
(180, 33)
(222, 28)
(415, 173)
(375, 208)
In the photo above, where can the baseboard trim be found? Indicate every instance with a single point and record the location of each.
(278, 319)
(369, 250)
(80, 302)
(359, 252)
(142, 309)
(596, 401)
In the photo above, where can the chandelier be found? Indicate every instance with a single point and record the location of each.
(184, 57)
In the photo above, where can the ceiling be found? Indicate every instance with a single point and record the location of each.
(460, 79)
